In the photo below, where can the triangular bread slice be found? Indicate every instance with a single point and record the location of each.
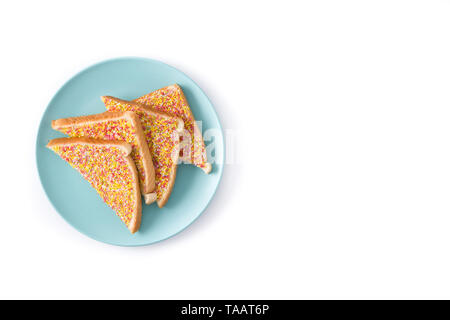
(162, 133)
(171, 100)
(123, 126)
(108, 167)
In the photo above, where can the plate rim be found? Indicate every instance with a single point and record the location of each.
(221, 166)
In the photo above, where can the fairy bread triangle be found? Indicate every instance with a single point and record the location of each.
(108, 167)
(172, 100)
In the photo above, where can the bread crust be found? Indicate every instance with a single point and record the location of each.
(165, 197)
(148, 185)
(125, 147)
(180, 127)
(135, 221)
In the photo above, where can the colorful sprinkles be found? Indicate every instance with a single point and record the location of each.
(107, 171)
(171, 99)
(162, 137)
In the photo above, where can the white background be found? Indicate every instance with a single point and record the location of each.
(340, 186)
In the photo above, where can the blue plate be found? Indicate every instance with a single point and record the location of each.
(77, 202)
